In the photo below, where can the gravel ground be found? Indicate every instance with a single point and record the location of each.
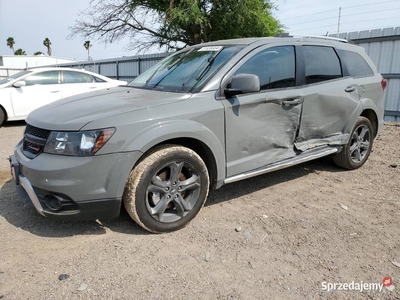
(276, 236)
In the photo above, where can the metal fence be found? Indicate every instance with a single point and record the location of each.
(124, 68)
(5, 72)
(383, 46)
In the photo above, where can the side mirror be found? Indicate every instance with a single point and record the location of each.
(243, 84)
(19, 83)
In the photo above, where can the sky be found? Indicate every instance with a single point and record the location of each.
(30, 22)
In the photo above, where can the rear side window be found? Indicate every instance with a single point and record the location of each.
(275, 67)
(76, 77)
(321, 64)
(355, 63)
(97, 79)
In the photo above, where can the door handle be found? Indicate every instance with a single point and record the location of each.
(292, 102)
(350, 89)
(55, 91)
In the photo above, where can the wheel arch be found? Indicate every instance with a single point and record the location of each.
(197, 146)
(370, 114)
(192, 135)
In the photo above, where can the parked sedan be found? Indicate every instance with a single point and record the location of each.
(25, 91)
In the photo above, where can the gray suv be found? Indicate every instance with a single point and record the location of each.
(208, 115)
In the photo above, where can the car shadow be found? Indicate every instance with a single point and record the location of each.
(251, 185)
(26, 217)
(14, 124)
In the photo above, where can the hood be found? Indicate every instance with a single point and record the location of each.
(74, 112)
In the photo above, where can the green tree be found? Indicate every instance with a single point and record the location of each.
(175, 23)
(87, 46)
(38, 53)
(47, 44)
(11, 43)
(19, 52)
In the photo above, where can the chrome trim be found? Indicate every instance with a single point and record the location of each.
(301, 158)
(31, 193)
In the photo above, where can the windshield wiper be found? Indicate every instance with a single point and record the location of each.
(181, 57)
(210, 61)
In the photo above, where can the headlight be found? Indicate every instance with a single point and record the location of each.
(82, 143)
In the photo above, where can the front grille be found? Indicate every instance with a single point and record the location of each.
(41, 133)
(34, 141)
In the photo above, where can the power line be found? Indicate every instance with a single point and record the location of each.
(343, 15)
(361, 21)
(344, 7)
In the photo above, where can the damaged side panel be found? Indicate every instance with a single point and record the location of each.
(260, 129)
(328, 116)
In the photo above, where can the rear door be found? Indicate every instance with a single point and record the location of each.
(331, 99)
(78, 82)
(261, 127)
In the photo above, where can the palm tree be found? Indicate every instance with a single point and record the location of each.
(38, 53)
(47, 44)
(87, 46)
(11, 43)
(19, 52)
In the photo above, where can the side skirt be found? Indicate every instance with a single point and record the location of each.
(301, 158)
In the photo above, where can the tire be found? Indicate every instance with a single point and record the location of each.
(2, 116)
(167, 189)
(358, 149)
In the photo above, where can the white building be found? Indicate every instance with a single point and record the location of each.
(30, 61)
(12, 64)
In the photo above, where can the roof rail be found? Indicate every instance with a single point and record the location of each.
(312, 37)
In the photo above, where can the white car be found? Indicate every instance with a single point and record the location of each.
(23, 92)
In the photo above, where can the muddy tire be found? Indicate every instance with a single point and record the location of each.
(167, 189)
(358, 149)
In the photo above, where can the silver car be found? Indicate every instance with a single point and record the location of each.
(208, 115)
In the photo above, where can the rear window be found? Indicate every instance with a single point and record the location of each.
(355, 63)
(321, 63)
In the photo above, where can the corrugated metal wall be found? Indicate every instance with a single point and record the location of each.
(383, 46)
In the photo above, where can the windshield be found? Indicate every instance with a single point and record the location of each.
(187, 70)
(13, 77)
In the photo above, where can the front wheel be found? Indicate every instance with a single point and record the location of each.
(2, 116)
(167, 189)
(358, 149)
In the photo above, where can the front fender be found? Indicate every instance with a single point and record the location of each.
(173, 129)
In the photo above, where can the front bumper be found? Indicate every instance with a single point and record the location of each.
(73, 188)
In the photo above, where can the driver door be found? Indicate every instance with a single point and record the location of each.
(261, 127)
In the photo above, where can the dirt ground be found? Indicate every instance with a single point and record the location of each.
(276, 236)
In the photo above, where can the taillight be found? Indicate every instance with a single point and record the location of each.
(383, 83)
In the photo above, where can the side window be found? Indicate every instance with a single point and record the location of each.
(321, 63)
(275, 67)
(355, 63)
(48, 77)
(76, 77)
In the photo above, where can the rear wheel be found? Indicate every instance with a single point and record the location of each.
(167, 189)
(358, 149)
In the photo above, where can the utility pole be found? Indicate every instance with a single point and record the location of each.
(338, 24)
